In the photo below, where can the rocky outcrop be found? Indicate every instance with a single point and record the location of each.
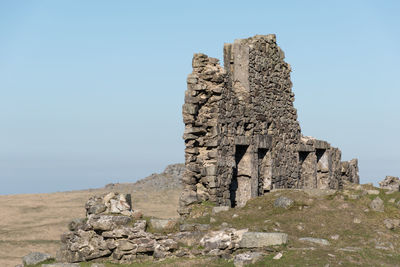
(169, 179)
(391, 183)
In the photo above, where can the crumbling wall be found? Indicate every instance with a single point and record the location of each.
(349, 171)
(202, 132)
(242, 136)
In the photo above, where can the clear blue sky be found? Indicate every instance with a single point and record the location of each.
(91, 91)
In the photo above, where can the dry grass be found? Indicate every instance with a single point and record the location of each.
(34, 222)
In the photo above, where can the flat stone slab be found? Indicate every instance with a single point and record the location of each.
(260, 239)
(163, 224)
(35, 258)
(61, 265)
(220, 209)
(319, 241)
(246, 258)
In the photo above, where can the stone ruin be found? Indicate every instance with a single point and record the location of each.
(112, 231)
(241, 134)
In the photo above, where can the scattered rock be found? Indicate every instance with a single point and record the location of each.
(247, 258)
(391, 223)
(373, 192)
(350, 249)
(278, 256)
(377, 205)
(356, 220)
(219, 209)
(193, 227)
(259, 239)
(335, 237)
(36, 258)
(235, 216)
(319, 241)
(62, 265)
(283, 202)
(163, 224)
(212, 220)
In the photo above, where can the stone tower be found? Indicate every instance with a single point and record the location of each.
(241, 134)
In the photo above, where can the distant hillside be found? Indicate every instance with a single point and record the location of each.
(170, 178)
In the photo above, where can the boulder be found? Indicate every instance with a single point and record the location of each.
(391, 223)
(260, 239)
(226, 239)
(188, 197)
(247, 258)
(391, 183)
(220, 209)
(377, 205)
(283, 202)
(34, 258)
(319, 241)
(163, 224)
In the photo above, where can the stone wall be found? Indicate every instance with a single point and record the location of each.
(242, 136)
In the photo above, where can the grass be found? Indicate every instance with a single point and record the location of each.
(319, 216)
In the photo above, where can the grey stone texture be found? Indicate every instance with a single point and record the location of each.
(319, 241)
(34, 258)
(241, 133)
(377, 205)
(260, 239)
(163, 224)
(283, 202)
(391, 183)
(246, 258)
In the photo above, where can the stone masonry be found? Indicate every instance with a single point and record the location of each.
(241, 134)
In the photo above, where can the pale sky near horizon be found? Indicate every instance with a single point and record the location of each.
(91, 91)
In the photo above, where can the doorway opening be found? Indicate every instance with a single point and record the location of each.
(264, 170)
(240, 187)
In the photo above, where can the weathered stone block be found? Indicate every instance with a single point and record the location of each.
(259, 239)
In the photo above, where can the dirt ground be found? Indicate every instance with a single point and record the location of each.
(34, 222)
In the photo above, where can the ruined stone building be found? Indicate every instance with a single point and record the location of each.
(241, 134)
